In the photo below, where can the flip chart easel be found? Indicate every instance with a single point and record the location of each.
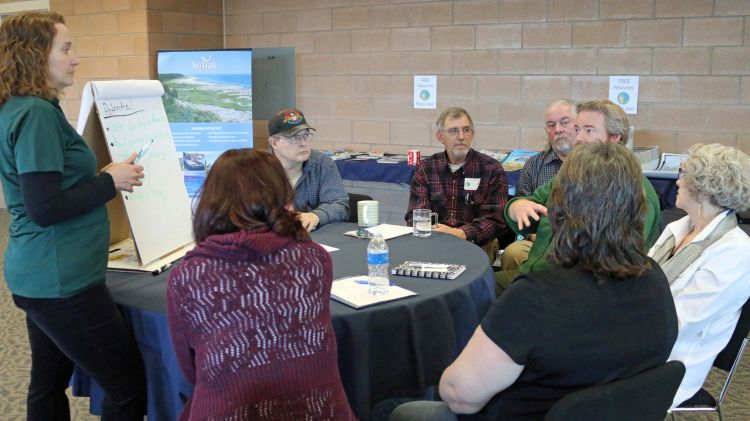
(150, 227)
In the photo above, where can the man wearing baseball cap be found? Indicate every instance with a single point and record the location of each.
(319, 197)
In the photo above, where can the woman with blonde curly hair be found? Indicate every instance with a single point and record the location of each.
(704, 256)
(56, 259)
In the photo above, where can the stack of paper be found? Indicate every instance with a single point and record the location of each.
(668, 167)
(123, 257)
(391, 160)
(388, 231)
(354, 292)
(648, 156)
(500, 156)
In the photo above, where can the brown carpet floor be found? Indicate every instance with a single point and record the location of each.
(14, 366)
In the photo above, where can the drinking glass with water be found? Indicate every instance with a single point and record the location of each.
(422, 222)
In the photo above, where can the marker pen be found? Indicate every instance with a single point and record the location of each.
(143, 150)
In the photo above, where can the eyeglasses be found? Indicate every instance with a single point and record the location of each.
(453, 133)
(565, 123)
(299, 138)
(680, 172)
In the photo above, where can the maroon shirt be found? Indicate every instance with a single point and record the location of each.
(250, 320)
(479, 213)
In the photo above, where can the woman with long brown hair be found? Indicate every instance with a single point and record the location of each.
(56, 259)
(249, 306)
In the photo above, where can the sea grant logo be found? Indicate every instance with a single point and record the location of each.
(205, 65)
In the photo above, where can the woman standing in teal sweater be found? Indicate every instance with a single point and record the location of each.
(59, 233)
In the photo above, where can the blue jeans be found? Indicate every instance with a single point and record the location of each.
(86, 330)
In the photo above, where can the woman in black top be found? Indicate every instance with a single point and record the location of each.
(606, 313)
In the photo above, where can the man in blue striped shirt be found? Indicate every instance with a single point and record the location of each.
(320, 197)
(560, 126)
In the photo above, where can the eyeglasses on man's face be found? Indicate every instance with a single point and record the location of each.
(564, 123)
(453, 132)
(299, 138)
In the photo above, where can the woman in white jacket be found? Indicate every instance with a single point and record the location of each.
(705, 257)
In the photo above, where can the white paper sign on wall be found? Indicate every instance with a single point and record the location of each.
(425, 91)
(623, 91)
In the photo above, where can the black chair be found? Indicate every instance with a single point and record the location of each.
(743, 217)
(353, 199)
(670, 215)
(727, 360)
(645, 396)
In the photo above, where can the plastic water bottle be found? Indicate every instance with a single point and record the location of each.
(377, 265)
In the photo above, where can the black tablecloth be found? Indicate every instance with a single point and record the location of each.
(391, 349)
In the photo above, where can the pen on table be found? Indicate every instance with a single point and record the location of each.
(432, 267)
(161, 269)
(114, 250)
(364, 282)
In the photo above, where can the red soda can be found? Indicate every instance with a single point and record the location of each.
(413, 157)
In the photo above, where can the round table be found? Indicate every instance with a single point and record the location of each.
(397, 348)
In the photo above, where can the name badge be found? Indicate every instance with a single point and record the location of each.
(471, 184)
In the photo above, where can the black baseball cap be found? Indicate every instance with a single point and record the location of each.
(287, 122)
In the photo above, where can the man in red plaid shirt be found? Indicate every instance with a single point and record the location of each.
(466, 188)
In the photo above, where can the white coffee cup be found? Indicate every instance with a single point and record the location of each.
(422, 222)
(367, 213)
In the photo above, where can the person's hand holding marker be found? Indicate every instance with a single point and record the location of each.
(143, 150)
(126, 174)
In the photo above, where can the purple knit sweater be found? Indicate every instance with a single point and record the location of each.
(251, 326)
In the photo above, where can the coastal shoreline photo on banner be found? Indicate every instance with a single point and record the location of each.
(208, 98)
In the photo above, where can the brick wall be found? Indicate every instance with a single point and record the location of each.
(504, 60)
(118, 39)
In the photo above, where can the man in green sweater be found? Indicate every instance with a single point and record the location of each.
(597, 121)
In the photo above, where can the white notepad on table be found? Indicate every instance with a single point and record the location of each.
(353, 291)
(388, 231)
